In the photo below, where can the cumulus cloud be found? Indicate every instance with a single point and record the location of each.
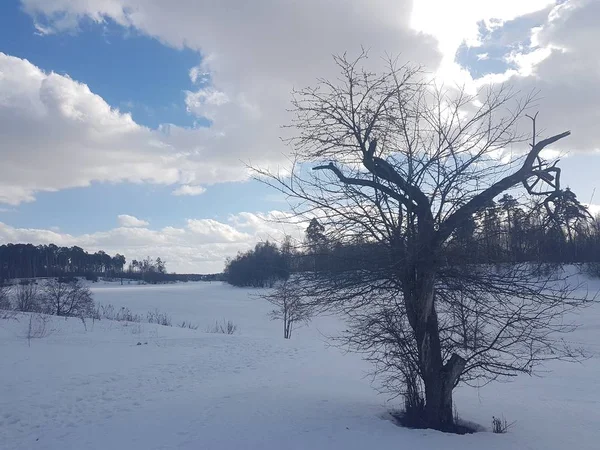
(458, 21)
(200, 246)
(549, 46)
(212, 231)
(205, 102)
(568, 75)
(187, 189)
(125, 220)
(246, 76)
(253, 55)
(57, 134)
(560, 66)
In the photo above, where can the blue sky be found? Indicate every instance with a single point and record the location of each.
(126, 108)
(136, 74)
(152, 85)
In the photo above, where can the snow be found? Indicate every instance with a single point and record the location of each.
(96, 388)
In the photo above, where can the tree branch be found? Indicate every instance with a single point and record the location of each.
(368, 183)
(482, 199)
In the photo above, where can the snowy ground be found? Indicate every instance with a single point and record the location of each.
(186, 389)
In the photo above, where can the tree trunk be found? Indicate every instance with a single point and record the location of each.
(438, 404)
(438, 394)
(439, 378)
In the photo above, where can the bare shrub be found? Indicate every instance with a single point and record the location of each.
(414, 403)
(592, 269)
(37, 327)
(70, 299)
(5, 293)
(289, 306)
(224, 327)
(500, 425)
(126, 315)
(189, 325)
(27, 297)
(123, 314)
(136, 328)
(8, 315)
(159, 318)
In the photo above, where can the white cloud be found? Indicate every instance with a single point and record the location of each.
(57, 134)
(558, 62)
(187, 189)
(254, 54)
(274, 225)
(565, 72)
(209, 231)
(125, 220)
(205, 102)
(455, 22)
(197, 76)
(200, 246)
(277, 46)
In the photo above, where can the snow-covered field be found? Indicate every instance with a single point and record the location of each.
(187, 389)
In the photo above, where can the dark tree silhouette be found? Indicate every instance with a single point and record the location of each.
(403, 165)
(29, 261)
(260, 267)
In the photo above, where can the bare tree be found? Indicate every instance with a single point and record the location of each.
(402, 164)
(67, 299)
(27, 298)
(289, 306)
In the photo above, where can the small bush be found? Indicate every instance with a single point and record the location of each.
(126, 315)
(109, 312)
(223, 327)
(500, 425)
(5, 292)
(159, 317)
(37, 327)
(123, 314)
(27, 298)
(8, 315)
(413, 415)
(592, 269)
(69, 299)
(136, 328)
(189, 325)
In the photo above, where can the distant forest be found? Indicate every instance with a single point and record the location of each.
(505, 232)
(32, 261)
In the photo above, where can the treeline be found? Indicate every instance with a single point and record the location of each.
(505, 232)
(35, 261)
(259, 267)
(31, 261)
